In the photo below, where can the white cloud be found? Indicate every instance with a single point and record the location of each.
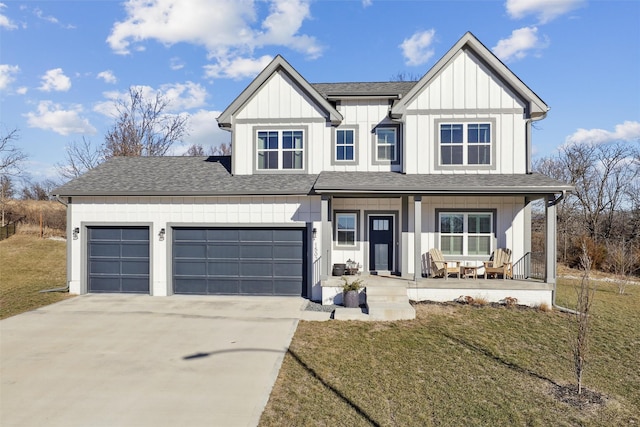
(545, 10)
(417, 49)
(237, 68)
(107, 76)
(228, 29)
(204, 131)
(7, 75)
(367, 3)
(627, 131)
(5, 22)
(176, 63)
(22, 90)
(519, 44)
(50, 116)
(180, 97)
(49, 18)
(55, 80)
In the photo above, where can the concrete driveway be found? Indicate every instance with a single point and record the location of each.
(136, 360)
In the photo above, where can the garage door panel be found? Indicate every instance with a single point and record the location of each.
(134, 267)
(223, 235)
(223, 268)
(105, 234)
(107, 266)
(286, 287)
(135, 250)
(190, 286)
(224, 286)
(135, 285)
(193, 250)
(239, 260)
(223, 250)
(190, 268)
(104, 250)
(105, 284)
(256, 251)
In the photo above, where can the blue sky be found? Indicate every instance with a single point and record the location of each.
(63, 63)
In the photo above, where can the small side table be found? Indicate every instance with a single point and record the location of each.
(469, 271)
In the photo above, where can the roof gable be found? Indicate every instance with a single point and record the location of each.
(536, 106)
(279, 64)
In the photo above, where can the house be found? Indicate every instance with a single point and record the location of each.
(377, 173)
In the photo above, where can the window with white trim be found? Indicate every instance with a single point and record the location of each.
(345, 145)
(280, 150)
(465, 143)
(346, 229)
(466, 233)
(386, 146)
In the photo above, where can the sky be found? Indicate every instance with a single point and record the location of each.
(63, 64)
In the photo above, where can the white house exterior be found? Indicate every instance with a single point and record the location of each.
(377, 173)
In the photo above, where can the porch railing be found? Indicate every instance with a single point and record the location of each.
(530, 266)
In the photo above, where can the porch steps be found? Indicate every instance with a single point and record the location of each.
(389, 302)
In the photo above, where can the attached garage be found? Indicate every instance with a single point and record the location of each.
(118, 260)
(239, 261)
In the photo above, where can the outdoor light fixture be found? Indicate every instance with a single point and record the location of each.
(161, 234)
(314, 232)
(76, 231)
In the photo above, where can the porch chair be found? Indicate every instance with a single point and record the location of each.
(499, 263)
(440, 267)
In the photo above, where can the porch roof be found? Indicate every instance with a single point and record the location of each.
(441, 184)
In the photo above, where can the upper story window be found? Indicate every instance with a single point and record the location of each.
(345, 145)
(280, 150)
(465, 143)
(386, 144)
(466, 233)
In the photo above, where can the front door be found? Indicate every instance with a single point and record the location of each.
(380, 243)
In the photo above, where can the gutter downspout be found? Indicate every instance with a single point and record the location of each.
(553, 294)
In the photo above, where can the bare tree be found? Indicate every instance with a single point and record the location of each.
(79, 158)
(586, 292)
(143, 127)
(198, 150)
(11, 157)
(601, 175)
(38, 190)
(622, 262)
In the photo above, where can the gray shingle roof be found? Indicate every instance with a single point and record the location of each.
(179, 176)
(363, 88)
(393, 182)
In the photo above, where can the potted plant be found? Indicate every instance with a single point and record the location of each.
(351, 292)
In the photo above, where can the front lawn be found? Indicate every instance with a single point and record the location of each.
(29, 264)
(461, 365)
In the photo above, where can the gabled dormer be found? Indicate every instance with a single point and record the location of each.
(469, 113)
(275, 120)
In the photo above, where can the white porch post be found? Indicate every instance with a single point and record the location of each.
(550, 242)
(325, 256)
(417, 237)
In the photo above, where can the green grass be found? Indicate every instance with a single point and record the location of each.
(460, 365)
(30, 264)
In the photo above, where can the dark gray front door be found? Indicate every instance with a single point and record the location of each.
(244, 261)
(380, 243)
(118, 259)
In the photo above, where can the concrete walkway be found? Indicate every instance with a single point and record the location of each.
(135, 360)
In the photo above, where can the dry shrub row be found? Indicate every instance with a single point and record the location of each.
(34, 215)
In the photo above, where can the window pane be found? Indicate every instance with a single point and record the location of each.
(386, 152)
(341, 153)
(451, 245)
(479, 154)
(451, 133)
(479, 245)
(268, 160)
(292, 160)
(346, 238)
(346, 221)
(479, 223)
(344, 144)
(451, 223)
(386, 136)
(479, 133)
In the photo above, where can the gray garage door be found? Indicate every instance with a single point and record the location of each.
(239, 261)
(118, 259)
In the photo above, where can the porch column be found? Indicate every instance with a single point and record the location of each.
(417, 237)
(550, 242)
(325, 256)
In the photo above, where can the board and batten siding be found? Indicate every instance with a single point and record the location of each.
(279, 104)
(465, 90)
(165, 212)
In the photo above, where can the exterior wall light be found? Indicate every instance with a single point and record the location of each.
(314, 232)
(76, 231)
(161, 234)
